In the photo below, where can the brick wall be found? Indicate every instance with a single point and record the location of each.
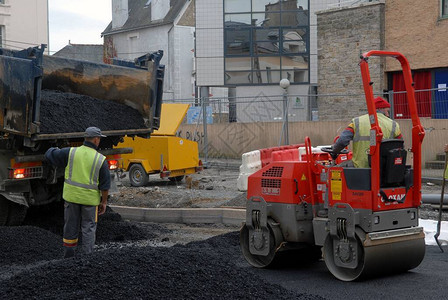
(414, 28)
(343, 34)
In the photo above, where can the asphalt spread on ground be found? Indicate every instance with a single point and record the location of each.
(31, 265)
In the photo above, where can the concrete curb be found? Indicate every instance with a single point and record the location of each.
(432, 179)
(227, 216)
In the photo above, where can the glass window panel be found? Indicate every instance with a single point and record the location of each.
(265, 5)
(238, 63)
(445, 8)
(268, 76)
(263, 34)
(237, 20)
(268, 62)
(237, 42)
(267, 19)
(238, 77)
(295, 5)
(294, 41)
(236, 6)
(295, 75)
(295, 62)
(295, 18)
(266, 48)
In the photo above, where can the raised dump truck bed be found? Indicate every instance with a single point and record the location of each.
(48, 101)
(25, 73)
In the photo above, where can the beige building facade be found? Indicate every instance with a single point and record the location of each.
(23, 23)
(418, 29)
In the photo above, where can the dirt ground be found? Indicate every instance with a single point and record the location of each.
(212, 187)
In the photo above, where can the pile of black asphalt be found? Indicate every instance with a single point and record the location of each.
(67, 112)
(31, 266)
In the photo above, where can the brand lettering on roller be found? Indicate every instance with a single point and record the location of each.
(398, 161)
(270, 191)
(396, 197)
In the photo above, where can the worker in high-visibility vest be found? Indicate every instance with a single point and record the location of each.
(86, 185)
(358, 131)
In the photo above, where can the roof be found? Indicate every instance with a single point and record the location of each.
(140, 16)
(87, 52)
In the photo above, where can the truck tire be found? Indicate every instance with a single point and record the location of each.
(17, 214)
(176, 178)
(138, 176)
(4, 210)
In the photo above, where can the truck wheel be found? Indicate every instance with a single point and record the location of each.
(138, 176)
(4, 210)
(17, 214)
(176, 178)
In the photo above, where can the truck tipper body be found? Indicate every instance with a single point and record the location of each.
(29, 125)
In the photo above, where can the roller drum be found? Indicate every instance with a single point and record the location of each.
(378, 254)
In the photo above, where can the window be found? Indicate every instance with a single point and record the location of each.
(444, 8)
(265, 41)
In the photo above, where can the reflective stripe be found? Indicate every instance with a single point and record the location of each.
(70, 243)
(98, 163)
(92, 170)
(70, 167)
(82, 185)
(392, 133)
(96, 215)
(357, 136)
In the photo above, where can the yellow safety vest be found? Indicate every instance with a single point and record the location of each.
(82, 176)
(361, 137)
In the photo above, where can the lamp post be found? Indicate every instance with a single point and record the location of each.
(284, 84)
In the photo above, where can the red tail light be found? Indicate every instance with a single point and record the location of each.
(19, 174)
(113, 164)
(165, 173)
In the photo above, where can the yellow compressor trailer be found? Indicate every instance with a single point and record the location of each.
(164, 153)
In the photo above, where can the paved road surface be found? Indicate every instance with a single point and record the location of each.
(428, 281)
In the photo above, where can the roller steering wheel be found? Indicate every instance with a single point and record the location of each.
(333, 154)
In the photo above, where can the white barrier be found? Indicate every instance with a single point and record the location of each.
(250, 163)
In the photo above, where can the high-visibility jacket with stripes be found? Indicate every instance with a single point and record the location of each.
(361, 137)
(82, 176)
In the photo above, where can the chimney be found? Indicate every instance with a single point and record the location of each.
(119, 13)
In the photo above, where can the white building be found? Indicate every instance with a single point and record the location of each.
(139, 27)
(23, 23)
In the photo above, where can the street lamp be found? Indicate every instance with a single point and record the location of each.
(284, 84)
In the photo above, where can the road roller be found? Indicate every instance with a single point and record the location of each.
(308, 201)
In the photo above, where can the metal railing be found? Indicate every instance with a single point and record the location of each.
(285, 109)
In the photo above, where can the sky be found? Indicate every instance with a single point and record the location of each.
(80, 21)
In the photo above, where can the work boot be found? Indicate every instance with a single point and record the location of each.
(69, 252)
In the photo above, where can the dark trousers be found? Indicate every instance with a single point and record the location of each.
(78, 216)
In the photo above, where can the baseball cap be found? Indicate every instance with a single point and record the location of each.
(93, 132)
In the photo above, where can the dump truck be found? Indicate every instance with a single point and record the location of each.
(364, 220)
(48, 101)
(164, 153)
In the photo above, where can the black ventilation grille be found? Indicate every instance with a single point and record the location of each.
(273, 172)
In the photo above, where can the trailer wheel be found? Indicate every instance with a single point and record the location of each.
(176, 178)
(138, 176)
(4, 210)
